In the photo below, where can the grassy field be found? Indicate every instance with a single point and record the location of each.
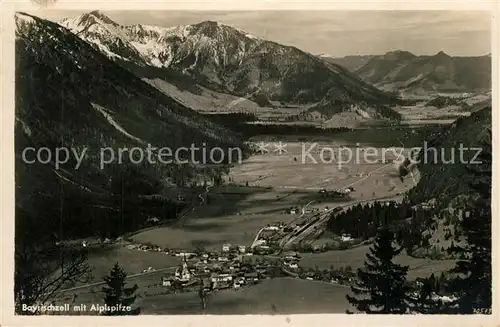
(276, 183)
(132, 261)
(355, 258)
(271, 296)
(211, 232)
(274, 296)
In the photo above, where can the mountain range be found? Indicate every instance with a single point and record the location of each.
(68, 95)
(404, 71)
(219, 58)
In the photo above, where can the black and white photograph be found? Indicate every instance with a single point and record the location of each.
(249, 162)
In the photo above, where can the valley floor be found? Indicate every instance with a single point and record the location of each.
(259, 192)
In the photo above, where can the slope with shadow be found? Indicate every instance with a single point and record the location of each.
(352, 63)
(444, 175)
(70, 96)
(225, 59)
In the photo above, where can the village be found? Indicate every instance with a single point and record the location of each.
(234, 267)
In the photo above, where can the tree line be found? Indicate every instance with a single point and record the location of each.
(381, 285)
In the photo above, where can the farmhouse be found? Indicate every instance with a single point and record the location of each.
(226, 247)
(252, 276)
(260, 242)
(346, 238)
(221, 280)
(167, 281)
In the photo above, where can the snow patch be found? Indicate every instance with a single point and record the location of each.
(113, 122)
(25, 127)
(24, 18)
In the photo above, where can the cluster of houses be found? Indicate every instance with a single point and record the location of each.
(212, 276)
(232, 267)
(228, 269)
(340, 193)
(291, 260)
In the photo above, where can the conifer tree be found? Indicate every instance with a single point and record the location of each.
(117, 294)
(473, 282)
(381, 283)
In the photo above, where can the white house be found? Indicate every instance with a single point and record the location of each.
(149, 269)
(260, 242)
(226, 247)
(222, 278)
(166, 281)
(346, 238)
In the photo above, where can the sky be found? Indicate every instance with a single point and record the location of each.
(337, 33)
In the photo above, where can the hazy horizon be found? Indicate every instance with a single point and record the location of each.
(335, 33)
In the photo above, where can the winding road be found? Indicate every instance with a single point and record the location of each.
(128, 277)
(182, 219)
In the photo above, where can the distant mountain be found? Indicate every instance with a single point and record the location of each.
(404, 71)
(69, 95)
(224, 59)
(352, 63)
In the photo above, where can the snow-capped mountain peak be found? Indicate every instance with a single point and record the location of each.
(104, 34)
(155, 45)
(221, 58)
(87, 20)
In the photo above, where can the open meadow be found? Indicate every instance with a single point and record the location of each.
(355, 258)
(276, 183)
(273, 296)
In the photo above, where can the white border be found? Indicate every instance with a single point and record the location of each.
(7, 169)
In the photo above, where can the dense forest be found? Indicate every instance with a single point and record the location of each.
(248, 125)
